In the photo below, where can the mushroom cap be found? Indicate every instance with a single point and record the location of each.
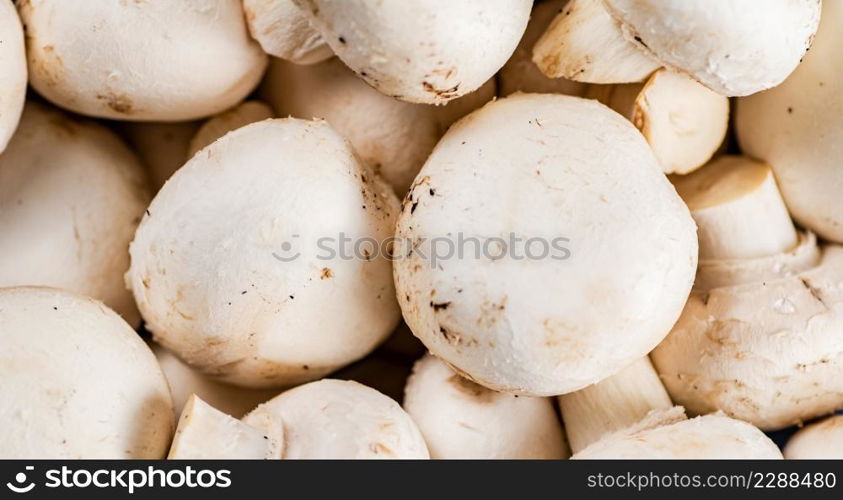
(520, 73)
(797, 128)
(718, 42)
(229, 267)
(710, 437)
(12, 71)
(613, 248)
(335, 419)
(423, 51)
(77, 382)
(392, 137)
(217, 126)
(820, 440)
(768, 352)
(284, 31)
(462, 420)
(69, 210)
(154, 60)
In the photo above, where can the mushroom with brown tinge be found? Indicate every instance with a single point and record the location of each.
(328, 419)
(716, 42)
(630, 416)
(77, 382)
(71, 196)
(284, 31)
(421, 51)
(154, 60)
(230, 268)
(820, 440)
(683, 121)
(577, 180)
(13, 73)
(759, 338)
(797, 128)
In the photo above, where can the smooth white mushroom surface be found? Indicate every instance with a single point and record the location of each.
(151, 60)
(237, 265)
(334, 419)
(710, 437)
(77, 382)
(13, 74)
(797, 128)
(392, 137)
(577, 253)
(71, 196)
(820, 440)
(463, 420)
(734, 48)
(422, 51)
(284, 31)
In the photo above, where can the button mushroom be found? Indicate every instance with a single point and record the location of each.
(611, 249)
(421, 51)
(760, 336)
(71, 196)
(329, 419)
(630, 416)
(232, 268)
(460, 419)
(284, 31)
(12, 71)
(76, 381)
(714, 41)
(820, 440)
(797, 128)
(154, 60)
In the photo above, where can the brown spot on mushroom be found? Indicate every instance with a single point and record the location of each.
(326, 273)
(440, 306)
(120, 103)
(472, 389)
(814, 291)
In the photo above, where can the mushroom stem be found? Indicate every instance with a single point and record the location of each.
(738, 210)
(612, 404)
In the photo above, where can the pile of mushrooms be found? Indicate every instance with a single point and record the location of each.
(357, 229)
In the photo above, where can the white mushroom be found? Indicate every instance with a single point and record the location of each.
(76, 381)
(797, 128)
(683, 121)
(717, 42)
(422, 51)
(239, 254)
(71, 196)
(520, 73)
(760, 336)
(186, 381)
(820, 440)
(570, 235)
(460, 419)
(284, 31)
(392, 137)
(12, 71)
(151, 60)
(239, 116)
(162, 146)
(630, 416)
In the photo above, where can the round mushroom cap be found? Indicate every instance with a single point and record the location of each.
(141, 61)
(242, 251)
(12, 71)
(77, 382)
(543, 249)
(772, 351)
(462, 420)
(422, 51)
(718, 42)
(335, 419)
(797, 128)
(71, 196)
(820, 440)
(712, 437)
(284, 31)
